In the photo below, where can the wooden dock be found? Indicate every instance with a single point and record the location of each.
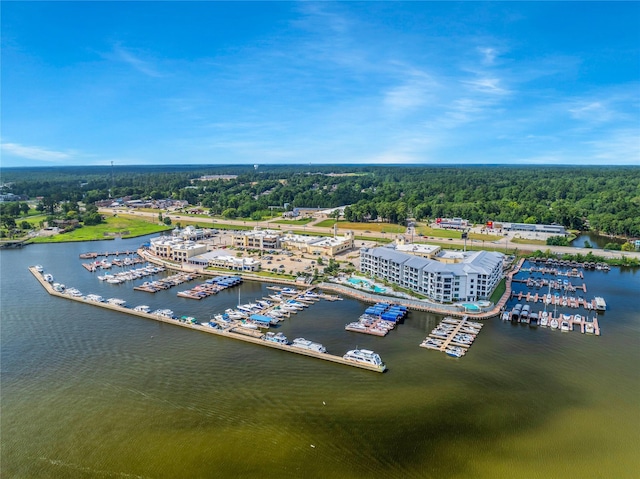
(228, 333)
(106, 253)
(460, 326)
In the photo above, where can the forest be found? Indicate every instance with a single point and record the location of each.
(602, 199)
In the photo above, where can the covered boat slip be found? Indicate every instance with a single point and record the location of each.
(229, 333)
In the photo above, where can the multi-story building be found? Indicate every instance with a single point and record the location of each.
(175, 249)
(449, 277)
(257, 239)
(319, 245)
(222, 259)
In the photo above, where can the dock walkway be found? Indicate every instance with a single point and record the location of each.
(228, 333)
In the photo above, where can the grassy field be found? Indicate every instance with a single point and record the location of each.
(302, 221)
(370, 227)
(438, 232)
(127, 227)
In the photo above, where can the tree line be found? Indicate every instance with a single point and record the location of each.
(604, 199)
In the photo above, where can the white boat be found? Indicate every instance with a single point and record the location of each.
(309, 345)
(95, 297)
(577, 318)
(365, 356)
(48, 277)
(167, 313)
(143, 308)
(564, 326)
(589, 328)
(601, 305)
(39, 268)
(455, 351)
(248, 324)
(117, 302)
(554, 323)
(276, 338)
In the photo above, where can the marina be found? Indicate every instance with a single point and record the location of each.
(233, 330)
(452, 336)
(165, 283)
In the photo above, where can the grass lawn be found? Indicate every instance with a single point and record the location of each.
(128, 227)
(481, 237)
(377, 227)
(302, 221)
(499, 291)
(438, 232)
(528, 241)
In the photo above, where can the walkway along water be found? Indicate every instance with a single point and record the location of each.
(229, 333)
(415, 304)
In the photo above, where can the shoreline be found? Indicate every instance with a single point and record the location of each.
(417, 305)
(228, 333)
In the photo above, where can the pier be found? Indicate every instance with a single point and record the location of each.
(94, 255)
(228, 333)
(445, 338)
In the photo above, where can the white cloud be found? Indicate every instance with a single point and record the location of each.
(34, 152)
(487, 85)
(127, 56)
(488, 55)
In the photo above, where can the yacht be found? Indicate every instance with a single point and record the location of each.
(544, 319)
(117, 302)
(309, 345)
(95, 297)
(455, 351)
(39, 268)
(365, 356)
(276, 338)
(48, 278)
(601, 305)
(553, 323)
(589, 328)
(564, 326)
(143, 308)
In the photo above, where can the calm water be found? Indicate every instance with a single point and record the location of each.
(597, 241)
(91, 393)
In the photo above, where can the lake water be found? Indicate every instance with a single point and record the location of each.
(90, 393)
(597, 241)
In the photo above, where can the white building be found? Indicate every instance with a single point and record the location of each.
(449, 277)
(175, 249)
(222, 259)
(257, 239)
(319, 245)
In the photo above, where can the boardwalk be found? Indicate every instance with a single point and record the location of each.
(228, 333)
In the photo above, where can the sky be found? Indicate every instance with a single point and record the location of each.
(90, 83)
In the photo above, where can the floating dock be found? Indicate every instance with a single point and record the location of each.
(228, 333)
(444, 338)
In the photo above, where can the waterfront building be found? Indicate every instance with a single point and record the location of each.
(192, 233)
(448, 277)
(257, 239)
(222, 259)
(319, 245)
(175, 249)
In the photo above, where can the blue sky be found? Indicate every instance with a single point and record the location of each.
(88, 83)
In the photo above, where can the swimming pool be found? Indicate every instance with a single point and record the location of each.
(366, 284)
(471, 307)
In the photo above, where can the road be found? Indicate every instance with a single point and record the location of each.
(505, 244)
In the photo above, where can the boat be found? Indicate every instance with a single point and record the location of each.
(309, 345)
(39, 268)
(601, 304)
(577, 318)
(276, 338)
(455, 351)
(117, 302)
(143, 308)
(565, 326)
(48, 278)
(365, 356)
(544, 319)
(554, 323)
(95, 297)
(589, 328)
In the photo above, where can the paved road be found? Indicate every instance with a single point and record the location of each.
(309, 228)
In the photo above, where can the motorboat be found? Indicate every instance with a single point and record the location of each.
(143, 308)
(276, 338)
(308, 345)
(365, 356)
